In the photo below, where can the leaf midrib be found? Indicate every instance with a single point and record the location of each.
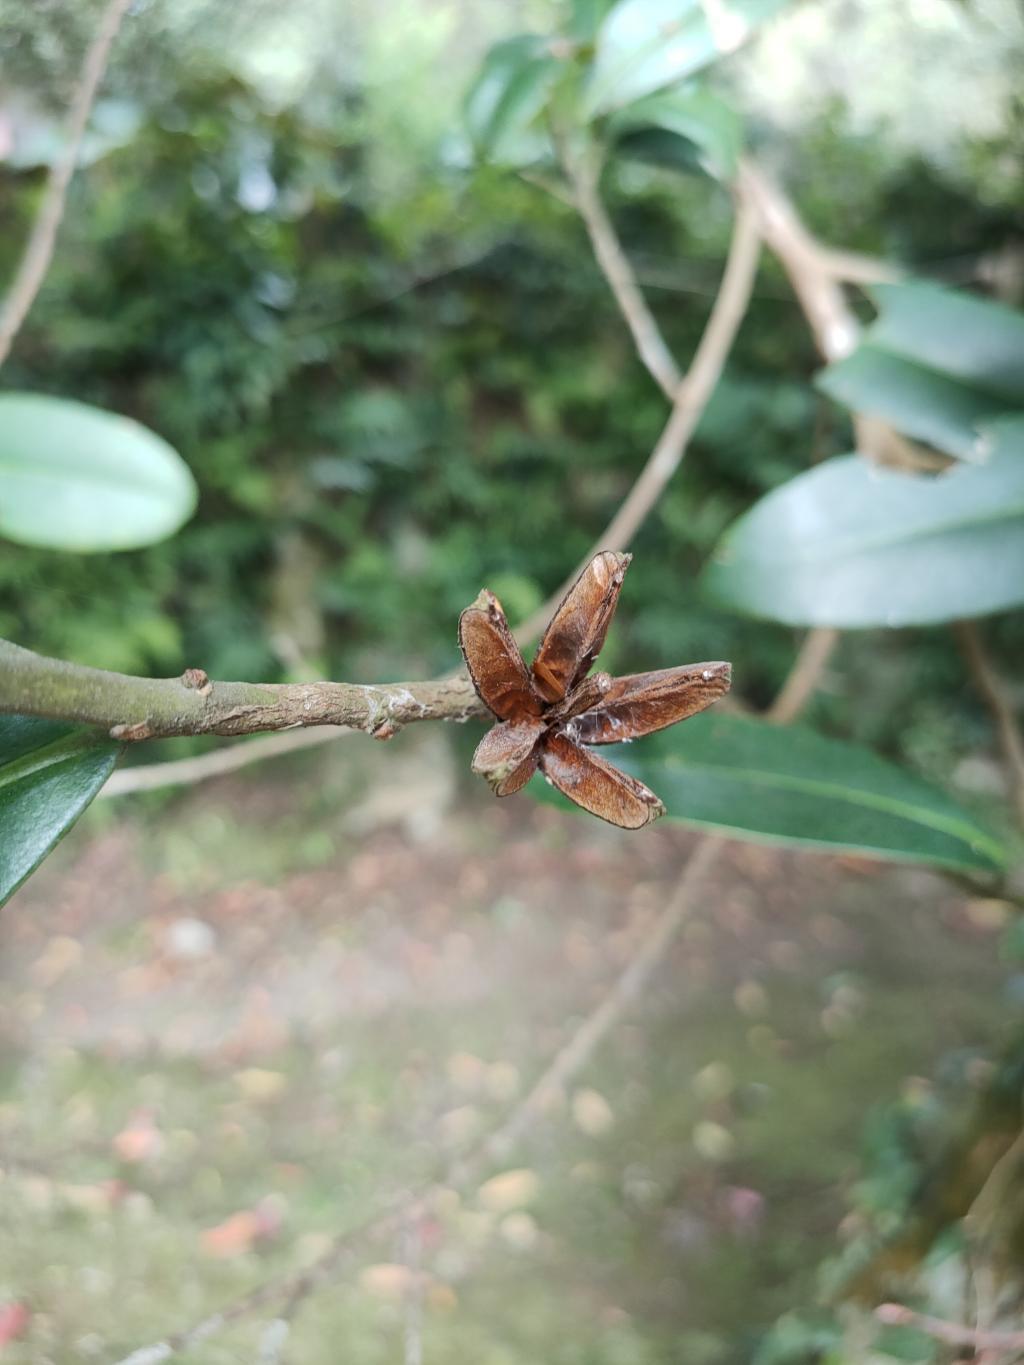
(38, 760)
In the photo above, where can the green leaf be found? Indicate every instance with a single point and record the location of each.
(585, 18)
(687, 129)
(512, 88)
(645, 45)
(851, 545)
(789, 785)
(919, 402)
(73, 477)
(49, 772)
(976, 340)
(936, 364)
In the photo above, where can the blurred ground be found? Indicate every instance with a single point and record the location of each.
(231, 1019)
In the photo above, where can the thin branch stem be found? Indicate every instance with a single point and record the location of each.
(583, 173)
(804, 676)
(564, 1067)
(157, 708)
(815, 272)
(950, 1333)
(38, 253)
(992, 690)
(690, 399)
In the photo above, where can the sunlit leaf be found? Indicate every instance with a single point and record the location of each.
(850, 545)
(789, 785)
(645, 45)
(937, 364)
(511, 89)
(73, 477)
(686, 130)
(49, 772)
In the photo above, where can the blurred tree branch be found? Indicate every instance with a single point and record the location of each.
(38, 253)
(583, 173)
(690, 397)
(950, 1333)
(992, 690)
(816, 273)
(802, 679)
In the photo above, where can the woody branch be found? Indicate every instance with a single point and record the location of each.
(132, 708)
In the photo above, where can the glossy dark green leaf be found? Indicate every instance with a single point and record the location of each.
(789, 785)
(645, 45)
(73, 477)
(850, 545)
(687, 129)
(936, 364)
(49, 772)
(510, 91)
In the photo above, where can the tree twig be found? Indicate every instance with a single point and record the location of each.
(38, 253)
(815, 272)
(993, 693)
(583, 173)
(803, 678)
(156, 708)
(950, 1333)
(564, 1067)
(412, 1327)
(229, 758)
(690, 399)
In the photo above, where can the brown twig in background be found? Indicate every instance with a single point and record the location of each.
(950, 1333)
(803, 678)
(181, 772)
(993, 693)
(38, 253)
(815, 273)
(412, 1327)
(690, 399)
(564, 1067)
(583, 174)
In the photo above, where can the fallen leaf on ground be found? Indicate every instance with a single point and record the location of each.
(510, 1190)
(591, 1113)
(14, 1320)
(243, 1230)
